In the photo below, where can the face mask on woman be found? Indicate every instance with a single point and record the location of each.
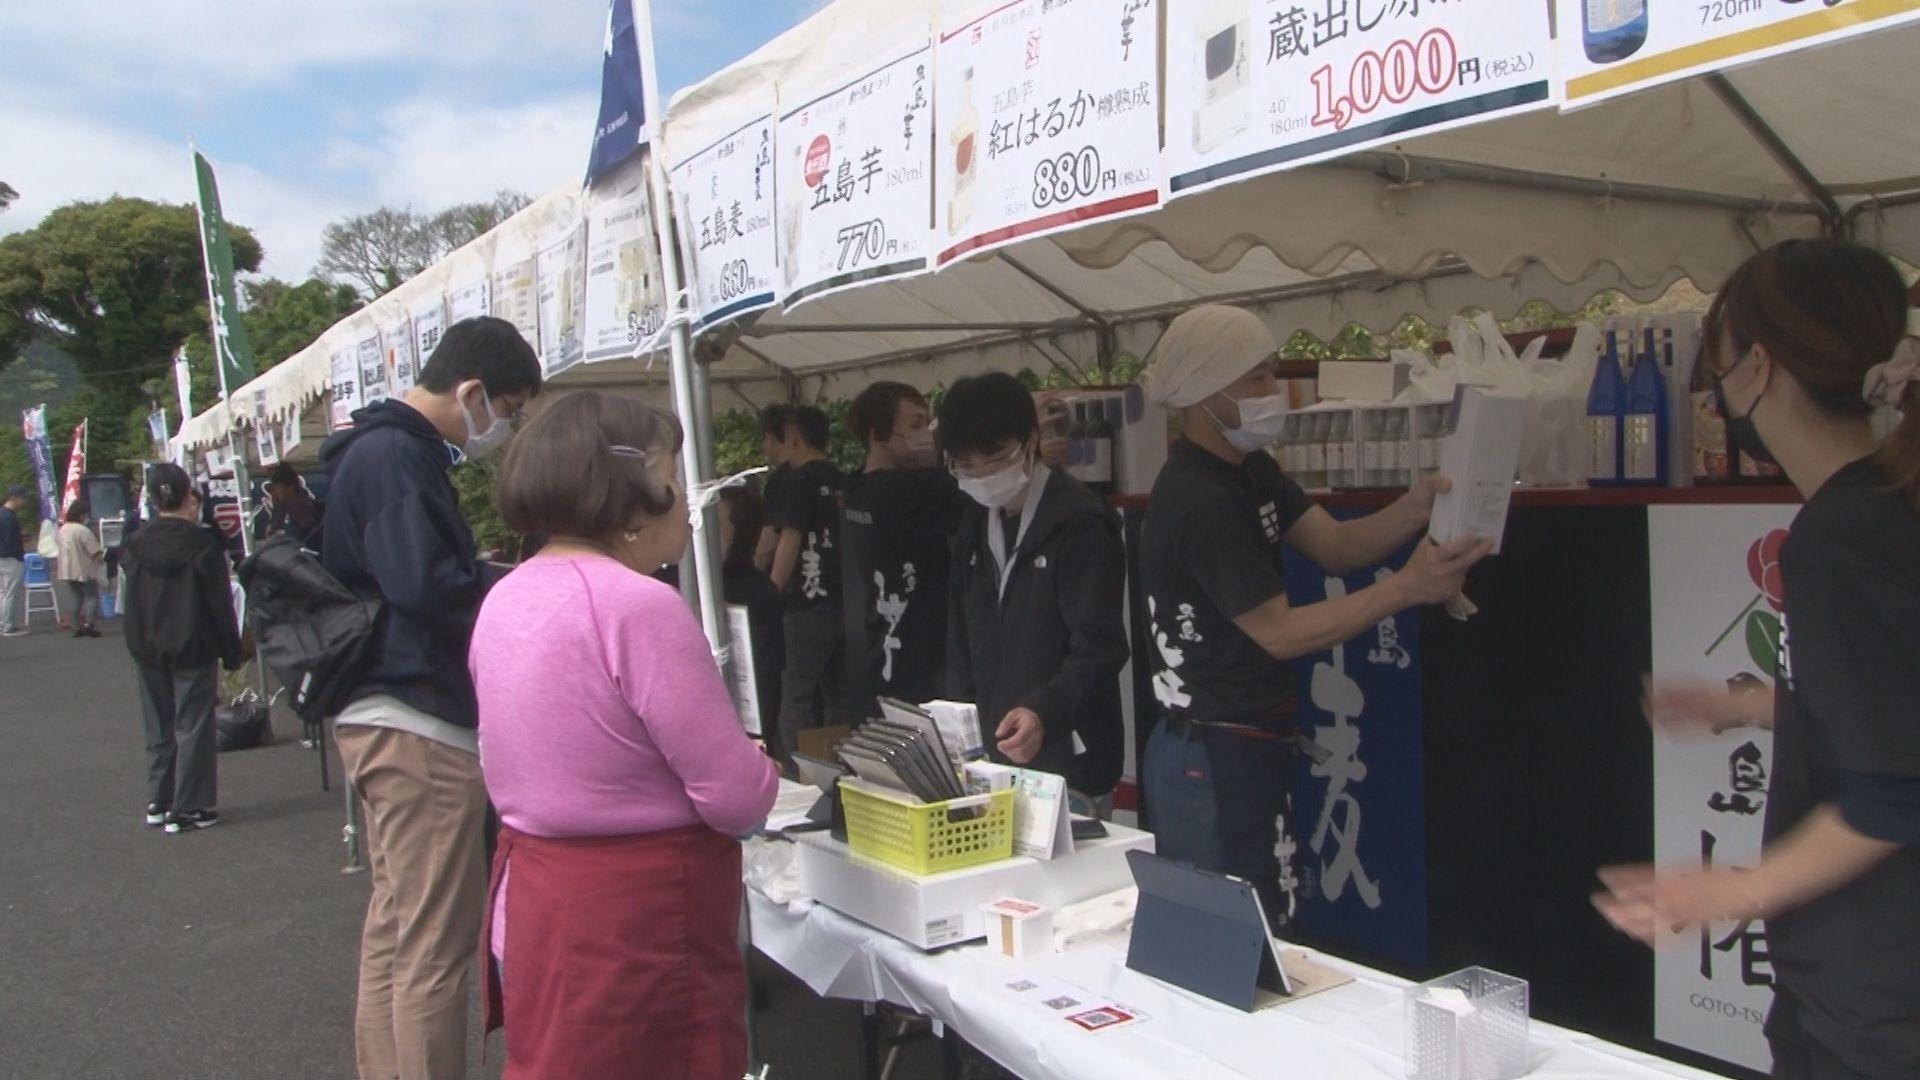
(1740, 430)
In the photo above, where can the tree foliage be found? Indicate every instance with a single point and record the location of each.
(7, 195)
(379, 250)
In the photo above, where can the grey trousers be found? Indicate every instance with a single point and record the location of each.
(12, 572)
(86, 602)
(816, 670)
(182, 768)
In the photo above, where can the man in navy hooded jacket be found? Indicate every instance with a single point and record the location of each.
(407, 736)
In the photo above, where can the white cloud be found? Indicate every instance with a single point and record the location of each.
(430, 153)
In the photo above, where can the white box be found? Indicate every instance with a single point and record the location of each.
(1363, 380)
(937, 910)
(1018, 928)
(1481, 456)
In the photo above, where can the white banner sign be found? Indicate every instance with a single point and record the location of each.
(1047, 119)
(397, 341)
(514, 298)
(346, 388)
(468, 302)
(563, 293)
(372, 362)
(1613, 47)
(429, 323)
(1257, 86)
(856, 181)
(1716, 614)
(726, 197)
(742, 681)
(625, 301)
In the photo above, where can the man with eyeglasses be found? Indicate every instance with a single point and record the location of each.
(1036, 632)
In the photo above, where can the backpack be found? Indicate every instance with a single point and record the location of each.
(313, 632)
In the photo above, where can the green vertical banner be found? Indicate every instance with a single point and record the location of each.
(229, 334)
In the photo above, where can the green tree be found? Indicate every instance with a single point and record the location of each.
(382, 248)
(7, 195)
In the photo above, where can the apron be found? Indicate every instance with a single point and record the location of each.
(624, 956)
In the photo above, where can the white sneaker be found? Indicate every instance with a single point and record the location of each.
(13, 633)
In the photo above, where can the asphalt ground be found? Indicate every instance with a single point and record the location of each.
(126, 953)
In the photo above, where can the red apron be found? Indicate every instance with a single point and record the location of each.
(622, 956)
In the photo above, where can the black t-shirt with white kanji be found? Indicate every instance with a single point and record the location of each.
(1210, 551)
(898, 531)
(1847, 733)
(809, 500)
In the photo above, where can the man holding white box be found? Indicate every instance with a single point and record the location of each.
(1218, 521)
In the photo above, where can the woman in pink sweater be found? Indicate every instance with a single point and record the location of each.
(621, 775)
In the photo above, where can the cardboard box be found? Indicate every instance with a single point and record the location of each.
(1363, 380)
(823, 741)
(938, 910)
(1481, 456)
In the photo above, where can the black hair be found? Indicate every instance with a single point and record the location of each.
(981, 413)
(774, 420)
(815, 428)
(748, 515)
(284, 475)
(169, 486)
(484, 348)
(872, 414)
(77, 511)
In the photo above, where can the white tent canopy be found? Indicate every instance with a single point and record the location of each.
(1681, 181)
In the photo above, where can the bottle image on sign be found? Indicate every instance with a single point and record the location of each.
(1221, 60)
(964, 137)
(1615, 29)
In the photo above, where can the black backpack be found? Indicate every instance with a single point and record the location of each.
(315, 633)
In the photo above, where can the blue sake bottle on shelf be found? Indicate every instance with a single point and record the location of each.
(1606, 414)
(1645, 435)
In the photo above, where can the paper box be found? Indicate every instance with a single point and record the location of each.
(937, 910)
(821, 742)
(1018, 928)
(1481, 456)
(1363, 380)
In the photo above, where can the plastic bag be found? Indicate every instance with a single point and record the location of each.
(1553, 450)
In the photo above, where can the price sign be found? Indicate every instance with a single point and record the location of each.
(1256, 86)
(468, 301)
(514, 298)
(371, 359)
(856, 181)
(726, 194)
(429, 324)
(625, 301)
(397, 342)
(563, 293)
(1613, 47)
(346, 388)
(1048, 119)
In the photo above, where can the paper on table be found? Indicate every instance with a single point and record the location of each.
(790, 805)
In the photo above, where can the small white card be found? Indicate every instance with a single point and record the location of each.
(1041, 827)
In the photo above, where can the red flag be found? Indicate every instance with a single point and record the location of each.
(76, 467)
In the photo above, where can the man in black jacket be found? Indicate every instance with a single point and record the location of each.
(407, 737)
(1037, 638)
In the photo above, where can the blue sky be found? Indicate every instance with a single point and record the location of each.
(310, 111)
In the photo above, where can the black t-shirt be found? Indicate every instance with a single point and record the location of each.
(1210, 551)
(809, 500)
(898, 532)
(1847, 718)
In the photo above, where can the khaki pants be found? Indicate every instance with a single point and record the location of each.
(426, 808)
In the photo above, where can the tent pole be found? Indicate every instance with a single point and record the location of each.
(1777, 149)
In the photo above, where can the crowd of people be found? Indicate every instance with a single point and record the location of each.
(575, 694)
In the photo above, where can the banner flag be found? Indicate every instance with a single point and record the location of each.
(235, 355)
(76, 466)
(627, 54)
(33, 430)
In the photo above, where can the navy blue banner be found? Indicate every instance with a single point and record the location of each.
(623, 97)
(1358, 826)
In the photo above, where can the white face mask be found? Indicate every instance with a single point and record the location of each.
(481, 443)
(1000, 489)
(916, 450)
(1262, 419)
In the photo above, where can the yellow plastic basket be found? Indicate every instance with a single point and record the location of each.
(927, 838)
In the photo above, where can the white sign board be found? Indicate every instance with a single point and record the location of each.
(1047, 119)
(563, 294)
(625, 302)
(514, 298)
(726, 194)
(397, 341)
(856, 181)
(1614, 47)
(346, 388)
(371, 359)
(469, 301)
(742, 680)
(1256, 86)
(1716, 614)
(429, 323)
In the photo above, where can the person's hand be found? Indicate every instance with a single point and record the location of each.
(1645, 903)
(1689, 705)
(1438, 571)
(1019, 735)
(1419, 497)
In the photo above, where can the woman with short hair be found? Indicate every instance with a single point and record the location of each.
(81, 559)
(612, 751)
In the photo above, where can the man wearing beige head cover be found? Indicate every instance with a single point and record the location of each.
(1220, 516)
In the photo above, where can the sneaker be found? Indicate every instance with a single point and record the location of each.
(93, 631)
(156, 814)
(16, 632)
(191, 820)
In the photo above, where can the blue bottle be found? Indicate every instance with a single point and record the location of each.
(1613, 29)
(1606, 415)
(1644, 433)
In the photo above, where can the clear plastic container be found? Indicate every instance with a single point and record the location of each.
(1339, 440)
(1314, 436)
(1485, 1039)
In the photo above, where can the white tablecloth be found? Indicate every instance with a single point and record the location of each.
(1353, 1032)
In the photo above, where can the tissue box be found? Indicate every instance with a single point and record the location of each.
(1482, 458)
(1478, 1033)
(1363, 380)
(1018, 928)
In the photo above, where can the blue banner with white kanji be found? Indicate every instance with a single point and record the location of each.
(622, 127)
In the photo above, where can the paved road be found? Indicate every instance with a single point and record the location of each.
(126, 953)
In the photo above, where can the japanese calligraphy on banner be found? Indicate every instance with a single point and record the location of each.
(468, 302)
(563, 293)
(1048, 117)
(513, 297)
(1257, 86)
(346, 387)
(726, 218)
(371, 359)
(626, 304)
(402, 368)
(1716, 613)
(856, 181)
(429, 323)
(1613, 47)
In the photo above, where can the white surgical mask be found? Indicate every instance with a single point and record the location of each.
(917, 451)
(999, 489)
(481, 443)
(1262, 419)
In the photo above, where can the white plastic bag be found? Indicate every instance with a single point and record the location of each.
(1553, 450)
